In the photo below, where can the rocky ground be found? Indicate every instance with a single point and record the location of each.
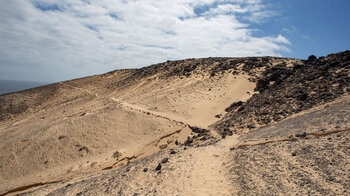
(302, 155)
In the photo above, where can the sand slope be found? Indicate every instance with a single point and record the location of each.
(90, 124)
(315, 165)
(106, 134)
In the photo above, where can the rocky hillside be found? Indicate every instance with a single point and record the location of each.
(284, 91)
(14, 104)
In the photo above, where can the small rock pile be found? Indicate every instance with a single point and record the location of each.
(200, 135)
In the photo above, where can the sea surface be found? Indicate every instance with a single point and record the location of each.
(9, 86)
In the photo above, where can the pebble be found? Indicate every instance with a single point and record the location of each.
(165, 160)
(159, 167)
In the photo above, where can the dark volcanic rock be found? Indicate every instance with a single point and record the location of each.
(188, 142)
(286, 90)
(159, 167)
(165, 160)
(226, 132)
(262, 85)
(234, 106)
(311, 58)
(301, 96)
(198, 130)
(301, 134)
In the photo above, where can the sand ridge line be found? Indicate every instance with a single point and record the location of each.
(128, 105)
(156, 142)
(146, 111)
(75, 87)
(123, 159)
(290, 138)
(26, 187)
(144, 152)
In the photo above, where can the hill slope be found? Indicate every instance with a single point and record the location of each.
(54, 135)
(286, 163)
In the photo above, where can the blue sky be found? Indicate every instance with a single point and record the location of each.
(313, 27)
(55, 40)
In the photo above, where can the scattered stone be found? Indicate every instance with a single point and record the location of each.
(234, 106)
(300, 134)
(169, 141)
(189, 141)
(198, 130)
(262, 84)
(226, 132)
(294, 154)
(83, 151)
(294, 140)
(275, 76)
(163, 146)
(116, 154)
(240, 109)
(176, 142)
(312, 58)
(159, 167)
(250, 126)
(203, 138)
(172, 151)
(145, 169)
(301, 96)
(232, 148)
(165, 160)
(218, 116)
(61, 137)
(84, 148)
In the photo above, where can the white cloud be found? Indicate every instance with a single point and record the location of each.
(51, 40)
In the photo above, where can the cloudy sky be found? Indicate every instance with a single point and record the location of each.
(55, 40)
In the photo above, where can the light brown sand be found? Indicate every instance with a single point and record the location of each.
(81, 130)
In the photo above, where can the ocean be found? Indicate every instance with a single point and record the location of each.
(9, 86)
